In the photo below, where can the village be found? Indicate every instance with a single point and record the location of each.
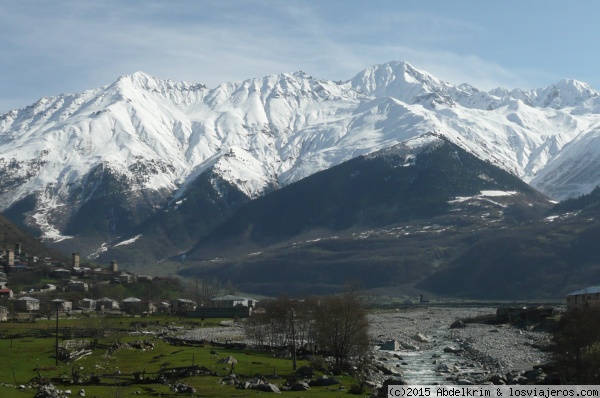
(56, 287)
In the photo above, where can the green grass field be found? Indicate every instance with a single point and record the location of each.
(26, 357)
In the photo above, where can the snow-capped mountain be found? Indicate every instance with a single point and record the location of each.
(147, 140)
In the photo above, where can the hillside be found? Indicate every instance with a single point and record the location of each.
(544, 259)
(411, 181)
(388, 219)
(470, 255)
(10, 235)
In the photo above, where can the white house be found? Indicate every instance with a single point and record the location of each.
(132, 305)
(107, 304)
(77, 286)
(27, 304)
(229, 301)
(87, 304)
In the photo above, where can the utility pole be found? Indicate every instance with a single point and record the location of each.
(57, 303)
(293, 343)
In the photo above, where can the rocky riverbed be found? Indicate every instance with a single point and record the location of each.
(468, 352)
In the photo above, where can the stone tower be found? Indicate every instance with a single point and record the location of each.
(114, 267)
(75, 260)
(17, 249)
(10, 258)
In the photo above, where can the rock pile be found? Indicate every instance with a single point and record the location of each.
(50, 391)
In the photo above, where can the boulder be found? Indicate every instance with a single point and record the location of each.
(421, 338)
(452, 350)
(392, 345)
(443, 368)
(409, 346)
(300, 386)
(228, 360)
(266, 387)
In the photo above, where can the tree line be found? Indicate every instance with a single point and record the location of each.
(330, 325)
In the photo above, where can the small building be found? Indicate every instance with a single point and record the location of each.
(230, 301)
(27, 304)
(107, 304)
(77, 286)
(3, 314)
(182, 306)
(584, 298)
(87, 304)
(81, 272)
(6, 293)
(60, 273)
(126, 278)
(132, 305)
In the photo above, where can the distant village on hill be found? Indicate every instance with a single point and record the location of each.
(32, 287)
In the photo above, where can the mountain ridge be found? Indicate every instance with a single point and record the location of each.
(157, 136)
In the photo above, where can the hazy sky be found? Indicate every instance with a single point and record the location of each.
(66, 46)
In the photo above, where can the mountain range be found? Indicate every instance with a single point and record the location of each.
(145, 169)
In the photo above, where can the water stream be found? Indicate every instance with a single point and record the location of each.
(425, 366)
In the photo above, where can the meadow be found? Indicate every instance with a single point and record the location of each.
(114, 369)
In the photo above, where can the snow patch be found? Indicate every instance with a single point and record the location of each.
(498, 193)
(128, 241)
(103, 248)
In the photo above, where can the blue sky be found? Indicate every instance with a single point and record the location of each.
(65, 46)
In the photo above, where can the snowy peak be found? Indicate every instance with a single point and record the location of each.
(567, 93)
(144, 81)
(399, 80)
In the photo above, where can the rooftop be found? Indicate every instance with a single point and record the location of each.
(587, 290)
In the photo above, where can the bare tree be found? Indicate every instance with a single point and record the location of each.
(341, 327)
(206, 290)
